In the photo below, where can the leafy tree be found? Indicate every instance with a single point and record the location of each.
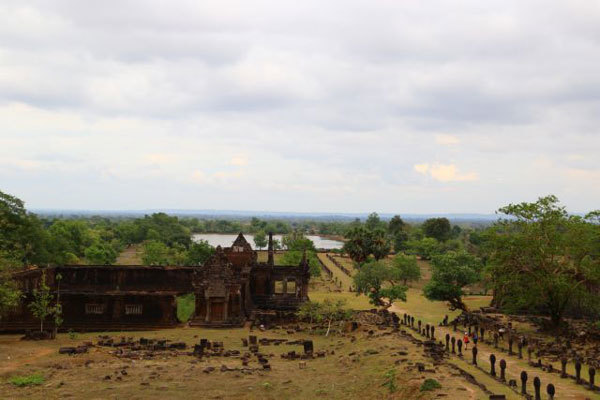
(400, 240)
(451, 272)
(437, 228)
(379, 245)
(374, 222)
(260, 239)
(543, 259)
(294, 257)
(199, 252)
(41, 305)
(297, 241)
(332, 311)
(155, 253)
(396, 225)
(380, 282)
(9, 292)
(100, 254)
(362, 243)
(358, 244)
(311, 311)
(276, 244)
(425, 248)
(406, 268)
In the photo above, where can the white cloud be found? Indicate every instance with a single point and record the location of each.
(307, 106)
(445, 172)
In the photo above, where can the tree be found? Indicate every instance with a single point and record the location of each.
(9, 292)
(155, 253)
(380, 282)
(396, 225)
(260, 239)
(332, 311)
(374, 222)
(362, 243)
(543, 259)
(400, 240)
(451, 272)
(311, 311)
(297, 241)
(424, 248)
(379, 245)
(294, 257)
(406, 268)
(357, 245)
(100, 253)
(41, 305)
(199, 252)
(437, 228)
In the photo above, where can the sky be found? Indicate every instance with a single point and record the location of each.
(398, 106)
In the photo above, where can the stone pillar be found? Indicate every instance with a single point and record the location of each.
(419, 325)
(492, 365)
(523, 382)
(207, 318)
(448, 342)
(520, 347)
(551, 391)
(453, 343)
(427, 330)
(482, 332)
(592, 372)
(460, 343)
(510, 345)
(503, 370)
(474, 351)
(578, 371)
(537, 385)
(432, 332)
(271, 259)
(563, 367)
(226, 306)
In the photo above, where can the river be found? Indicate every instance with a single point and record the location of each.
(225, 240)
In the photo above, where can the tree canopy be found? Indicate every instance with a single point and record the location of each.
(544, 259)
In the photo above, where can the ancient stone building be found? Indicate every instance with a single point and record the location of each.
(230, 288)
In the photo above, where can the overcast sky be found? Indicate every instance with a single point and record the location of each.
(350, 106)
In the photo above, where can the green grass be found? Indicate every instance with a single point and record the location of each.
(27, 380)
(186, 305)
(354, 302)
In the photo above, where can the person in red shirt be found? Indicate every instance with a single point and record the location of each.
(466, 340)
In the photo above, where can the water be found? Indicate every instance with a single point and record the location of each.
(225, 240)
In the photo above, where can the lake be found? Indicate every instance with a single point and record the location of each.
(226, 240)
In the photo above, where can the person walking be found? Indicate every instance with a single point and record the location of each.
(466, 340)
(475, 338)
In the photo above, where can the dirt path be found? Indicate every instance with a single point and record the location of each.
(18, 362)
(565, 388)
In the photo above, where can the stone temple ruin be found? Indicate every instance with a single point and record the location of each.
(230, 288)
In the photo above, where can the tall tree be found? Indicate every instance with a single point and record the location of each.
(451, 272)
(543, 259)
(374, 222)
(155, 253)
(260, 239)
(437, 228)
(381, 283)
(406, 268)
(396, 225)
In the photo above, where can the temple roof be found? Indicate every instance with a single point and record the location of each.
(241, 241)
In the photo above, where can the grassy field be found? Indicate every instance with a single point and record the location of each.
(338, 274)
(132, 255)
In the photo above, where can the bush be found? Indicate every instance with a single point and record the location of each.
(430, 384)
(28, 380)
(186, 305)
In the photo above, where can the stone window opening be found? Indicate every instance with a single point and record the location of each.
(133, 309)
(94, 308)
(291, 287)
(279, 287)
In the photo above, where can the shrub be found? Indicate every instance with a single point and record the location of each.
(430, 384)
